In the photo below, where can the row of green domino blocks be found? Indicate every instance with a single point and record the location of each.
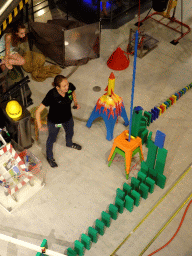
(126, 198)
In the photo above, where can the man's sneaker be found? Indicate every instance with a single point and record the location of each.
(52, 162)
(75, 146)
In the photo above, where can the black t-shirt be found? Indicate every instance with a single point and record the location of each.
(59, 107)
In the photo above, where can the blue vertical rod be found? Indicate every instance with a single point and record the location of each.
(133, 81)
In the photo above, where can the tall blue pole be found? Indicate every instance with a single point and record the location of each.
(133, 81)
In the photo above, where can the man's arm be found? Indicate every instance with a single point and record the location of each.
(38, 115)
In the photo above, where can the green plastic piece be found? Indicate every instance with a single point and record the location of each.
(144, 119)
(161, 179)
(151, 184)
(152, 174)
(119, 204)
(141, 176)
(144, 135)
(149, 116)
(106, 219)
(44, 244)
(143, 190)
(136, 197)
(79, 248)
(120, 193)
(136, 119)
(161, 159)
(144, 168)
(71, 252)
(116, 151)
(129, 203)
(93, 234)
(127, 189)
(149, 139)
(113, 210)
(169, 101)
(151, 156)
(86, 241)
(39, 254)
(100, 227)
(135, 183)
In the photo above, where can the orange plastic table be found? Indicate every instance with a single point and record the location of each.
(128, 147)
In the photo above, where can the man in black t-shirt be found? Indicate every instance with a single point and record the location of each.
(59, 101)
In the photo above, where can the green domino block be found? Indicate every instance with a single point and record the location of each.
(113, 210)
(144, 119)
(149, 139)
(93, 234)
(129, 203)
(100, 227)
(39, 254)
(79, 248)
(120, 193)
(141, 176)
(86, 241)
(136, 119)
(151, 184)
(106, 219)
(143, 190)
(161, 179)
(169, 101)
(44, 244)
(152, 174)
(136, 197)
(71, 252)
(144, 168)
(135, 183)
(161, 159)
(151, 156)
(149, 116)
(144, 135)
(127, 189)
(119, 204)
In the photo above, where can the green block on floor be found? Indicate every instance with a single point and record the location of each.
(106, 218)
(151, 156)
(120, 193)
(169, 101)
(144, 119)
(151, 184)
(86, 241)
(161, 179)
(141, 176)
(143, 190)
(93, 234)
(136, 119)
(144, 135)
(39, 254)
(129, 203)
(113, 210)
(71, 252)
(152, 174)
(149, 116)
(119, 204)
(135, 183)
(127, 189)
(136, 197)
(79, 248)
(161, 159)
(144, 168)
(100, 227)
(44, 244)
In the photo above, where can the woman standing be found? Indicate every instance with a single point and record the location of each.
(8, 43)
(59, 101)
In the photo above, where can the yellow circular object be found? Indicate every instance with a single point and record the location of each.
(13, 109)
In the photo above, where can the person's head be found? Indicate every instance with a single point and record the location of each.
(18, 33)
(61, 83)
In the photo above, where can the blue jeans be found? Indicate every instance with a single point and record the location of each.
(53, 132)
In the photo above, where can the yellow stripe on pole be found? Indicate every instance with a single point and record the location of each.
(4, 24)
(10, 18)
(15, 12)
(21, 5)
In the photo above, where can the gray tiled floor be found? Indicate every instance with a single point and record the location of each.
(83, 185)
